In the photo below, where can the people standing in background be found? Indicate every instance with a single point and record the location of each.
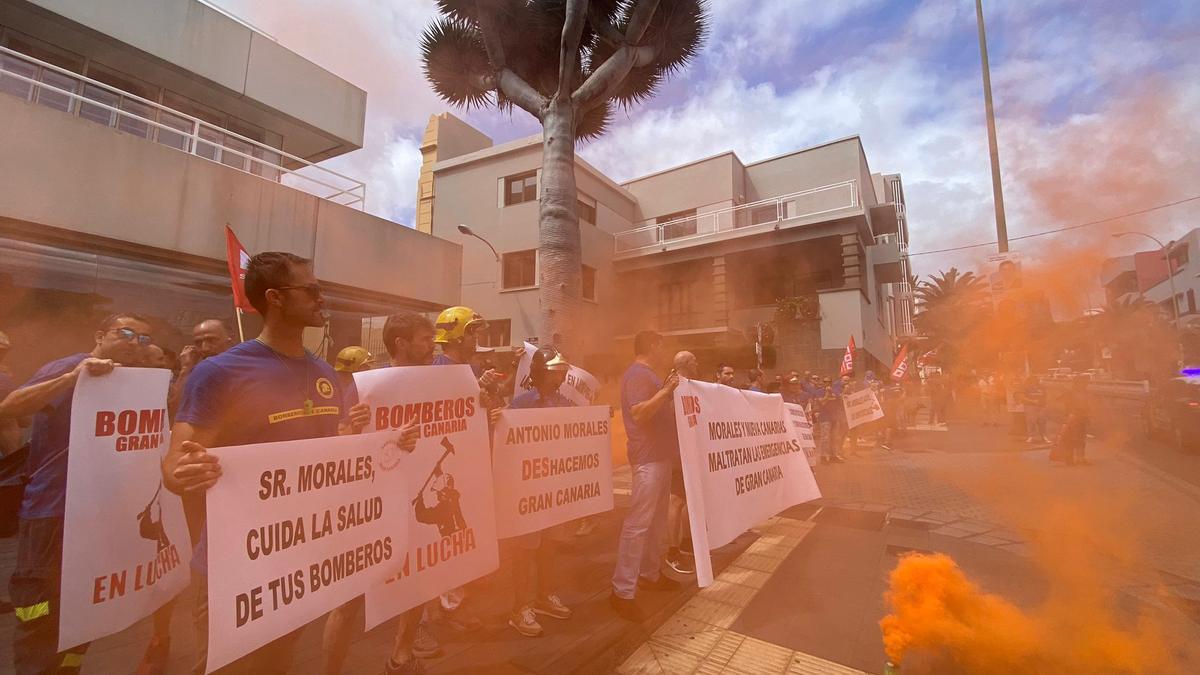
(209, 338)
(1073, 437)
(755, 380)
(349, 361)
(1032, 397)
(939, 398)
(725, 374)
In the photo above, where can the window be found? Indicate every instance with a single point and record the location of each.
(1179, 257)
(768, 213)
(519, 269)
(675, 308)
(589, 283)
(520, 188)
(684, 225)
(42, 52)
(1191, 301)
(498, 333)
(130, 124)
(585, 211)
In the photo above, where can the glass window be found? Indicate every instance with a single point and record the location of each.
(675, 309)
(520, 188)
(179, 141)
(681, 224)
(48, 54)
(95, 113)
(498, 333)
(56, 99)
(234, 159)
(585, 211)
(11, 85)
(589, 283)
(520, 269)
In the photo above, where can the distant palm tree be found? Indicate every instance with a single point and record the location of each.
(950, 286)
(950, 305)
(568, 63)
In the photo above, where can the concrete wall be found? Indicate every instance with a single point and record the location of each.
(706, 185)
(169, 36)
(825, 164)
(66, 172)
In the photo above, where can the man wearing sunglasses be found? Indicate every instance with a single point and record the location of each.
(269, 389)
(35, 586)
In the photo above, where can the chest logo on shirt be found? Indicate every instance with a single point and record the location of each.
(324, 388)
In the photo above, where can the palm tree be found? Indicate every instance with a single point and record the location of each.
(950, 286)
(950, 306)
(567, 63)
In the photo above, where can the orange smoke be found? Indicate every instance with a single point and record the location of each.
(953, 626)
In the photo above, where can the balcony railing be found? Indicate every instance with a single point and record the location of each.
(70, 92)
(762, 214)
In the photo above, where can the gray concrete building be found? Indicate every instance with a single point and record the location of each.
(135, 130)
(804, 251)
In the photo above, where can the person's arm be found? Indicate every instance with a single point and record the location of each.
(642, 412)
(188, 468)
(29, 400)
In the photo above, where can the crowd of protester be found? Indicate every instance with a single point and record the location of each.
(224, 392)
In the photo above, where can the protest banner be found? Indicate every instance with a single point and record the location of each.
(125, 540)
(551, 466)
(452, 529)
(304, 526)
(580, 387)
(804, 431)
(742, 463)
(861, 407)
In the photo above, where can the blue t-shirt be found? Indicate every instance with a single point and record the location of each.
(443, 360)
(534, 399)
(6, 385)
(46, 493)
(657, 440)
(251, 394)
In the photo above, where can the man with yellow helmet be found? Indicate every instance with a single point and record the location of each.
(458, 334)
(349, 361)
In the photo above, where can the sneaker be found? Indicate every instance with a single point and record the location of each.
(552, 607)
(1043, 440)
(154, 661)
(586, 527)
(462, 620)
(1029, 439)
(662, 583)
(425, 643)
(838, 459)
(626, 608)
(525, 623)
(685, 547)
(409, 667)
(680, 565)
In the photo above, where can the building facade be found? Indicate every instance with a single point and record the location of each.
(778, 262)
(1146, 275)
(135, 131)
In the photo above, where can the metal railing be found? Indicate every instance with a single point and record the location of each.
(763, 214)
(191, 135)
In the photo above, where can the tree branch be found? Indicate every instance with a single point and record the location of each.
(604, 28)
(609, 76)
(568, 50)
(505, 81)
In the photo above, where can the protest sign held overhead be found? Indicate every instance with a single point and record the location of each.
(804, 431)
(861, 407)
(742, 463)
(305, 527)
(449, 479)
(125, 540)
(580, 386)
(551, 465)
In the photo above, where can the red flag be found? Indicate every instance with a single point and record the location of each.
(848, 358)
(900, 365)
(237, 259)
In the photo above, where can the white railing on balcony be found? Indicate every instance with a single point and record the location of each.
(61, 89)
(762, 214)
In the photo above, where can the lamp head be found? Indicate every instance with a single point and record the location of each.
(463, 229)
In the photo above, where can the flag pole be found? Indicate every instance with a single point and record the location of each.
(241, 333)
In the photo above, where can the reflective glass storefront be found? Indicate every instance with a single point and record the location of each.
(52, 297)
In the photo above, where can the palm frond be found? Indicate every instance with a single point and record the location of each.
(594, 122)
(456, 62)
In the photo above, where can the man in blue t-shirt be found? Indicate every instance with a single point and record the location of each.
(35, 585)
(10, 429)
(264, 390)
(649, 417)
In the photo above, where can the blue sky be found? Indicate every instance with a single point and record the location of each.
(1096, 104)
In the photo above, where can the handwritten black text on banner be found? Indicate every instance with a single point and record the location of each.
(742, 463)
(861, 407)
(551, 465)
(804, 431)
(296, 529)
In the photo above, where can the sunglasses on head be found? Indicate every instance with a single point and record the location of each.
(129, 335)
(314, 291)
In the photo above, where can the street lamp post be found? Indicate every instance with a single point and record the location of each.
(466, 231)
(993, 150)
(1166, 250)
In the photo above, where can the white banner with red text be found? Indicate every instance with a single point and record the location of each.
(742, 463)
(804, 431)
(452, 531)
(297, 528)
(551, 466)
(125, 540)
(861, 407)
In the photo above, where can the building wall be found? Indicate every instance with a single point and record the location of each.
(201, 53)
(823, 165)
(65, 172)
(707, 185)
(446, 137)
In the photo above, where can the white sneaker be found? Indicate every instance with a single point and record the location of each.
(525, 623)
(551, 606)
(1029, 440)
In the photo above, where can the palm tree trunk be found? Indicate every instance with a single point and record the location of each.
(558, 228)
